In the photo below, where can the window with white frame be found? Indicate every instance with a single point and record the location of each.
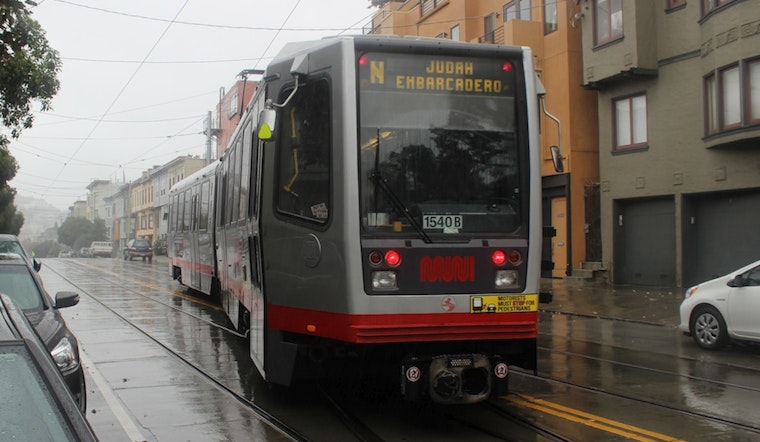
(455, 33)
(730, 92)
(233, 105)
(732, 97)
(630, 116)
(608, 21)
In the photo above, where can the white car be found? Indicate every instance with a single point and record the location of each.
(725, 308)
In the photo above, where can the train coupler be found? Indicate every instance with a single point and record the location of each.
(453, 379)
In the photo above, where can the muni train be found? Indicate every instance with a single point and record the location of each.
(377, 211)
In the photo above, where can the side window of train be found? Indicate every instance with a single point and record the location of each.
(245, 177)
(203, 220)
(187, 207)
(253, 206)
(303, 154)
(173, 214)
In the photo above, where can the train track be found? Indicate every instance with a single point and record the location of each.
(501, 419)
(260, 413)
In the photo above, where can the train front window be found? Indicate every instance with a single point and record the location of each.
(439, 147)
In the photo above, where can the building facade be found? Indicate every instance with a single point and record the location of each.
(230, 110)
(678, 87)
(142, 210)
(78, 209)
(550, 28)
(97, 191)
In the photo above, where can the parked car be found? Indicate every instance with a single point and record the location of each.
(11, 244)
(723, 309)
(37, 404)
(101, 248)
(23, 285)
(138, 248)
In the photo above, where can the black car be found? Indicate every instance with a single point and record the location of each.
(138, 248)
(37, 404)
(11, 244)
(23, 285)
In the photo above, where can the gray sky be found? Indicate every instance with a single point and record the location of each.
(139, 77)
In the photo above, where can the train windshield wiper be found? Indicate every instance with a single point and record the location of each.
(383, 184)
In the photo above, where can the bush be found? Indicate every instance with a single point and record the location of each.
(159, 247)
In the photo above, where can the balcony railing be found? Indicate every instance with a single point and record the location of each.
(494, 37)
(427, 6)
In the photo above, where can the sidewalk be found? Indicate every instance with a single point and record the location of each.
(651, 305)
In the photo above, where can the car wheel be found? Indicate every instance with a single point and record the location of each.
(709, 328)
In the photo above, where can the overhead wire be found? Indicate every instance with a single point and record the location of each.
(121, 92)
(67, 161)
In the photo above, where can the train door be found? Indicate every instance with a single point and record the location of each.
(253, 178)
(205, 251)
(221, 240)
(297, 204)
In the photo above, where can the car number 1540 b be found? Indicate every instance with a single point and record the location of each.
(442, 221)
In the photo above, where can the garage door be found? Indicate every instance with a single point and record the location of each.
(721, 233)
(644, 242)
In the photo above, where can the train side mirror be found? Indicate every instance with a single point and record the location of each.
(267, 122)
(557, 158)
(268, 116)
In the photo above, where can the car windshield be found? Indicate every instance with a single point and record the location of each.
(28, 410)
(437, 156)
(17, 282)
(11, 247)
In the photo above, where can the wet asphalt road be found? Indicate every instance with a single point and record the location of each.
(613, 366)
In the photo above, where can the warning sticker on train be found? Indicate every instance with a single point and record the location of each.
(504, 303)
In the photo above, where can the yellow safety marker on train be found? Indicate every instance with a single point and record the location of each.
(588, 419)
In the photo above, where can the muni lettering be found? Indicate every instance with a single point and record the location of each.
(447, 268)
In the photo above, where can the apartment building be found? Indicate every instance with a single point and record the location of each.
(142, 210)
(678, 85)
(552, 30)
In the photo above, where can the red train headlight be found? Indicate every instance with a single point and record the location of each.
(499, 257)
(392, 258)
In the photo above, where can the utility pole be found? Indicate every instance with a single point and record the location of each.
(210, 132)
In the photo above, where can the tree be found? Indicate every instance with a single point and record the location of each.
(45, 249)
(28, 69)
(79, 232)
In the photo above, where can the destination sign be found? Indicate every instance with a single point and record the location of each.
(445, 74)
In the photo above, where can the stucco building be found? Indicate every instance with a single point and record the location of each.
(678, 87)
